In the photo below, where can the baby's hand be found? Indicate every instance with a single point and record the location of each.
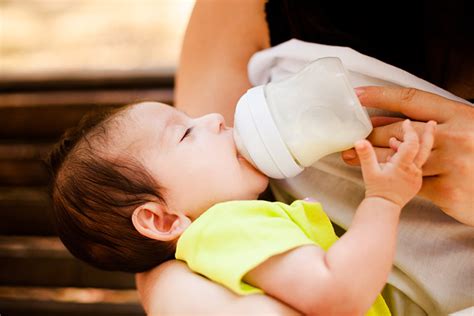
(400, 178)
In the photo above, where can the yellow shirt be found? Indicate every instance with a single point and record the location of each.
(232, 238)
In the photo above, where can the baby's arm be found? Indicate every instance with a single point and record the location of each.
(348, 277)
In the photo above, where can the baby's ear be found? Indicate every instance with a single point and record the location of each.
(155, 221)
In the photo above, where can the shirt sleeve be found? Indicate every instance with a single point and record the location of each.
(232, 238)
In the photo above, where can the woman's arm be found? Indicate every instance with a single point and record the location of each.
(172, 289)
(220, 39)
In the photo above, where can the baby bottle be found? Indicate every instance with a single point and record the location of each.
(284, 126)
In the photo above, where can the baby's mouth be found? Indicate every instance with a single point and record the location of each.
(239, 156)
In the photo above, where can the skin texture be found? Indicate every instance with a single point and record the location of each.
(449, 171)
(162, 289)
(220, 39)
(193, 155)
(197, 156)
(325, 279)
(164, 139)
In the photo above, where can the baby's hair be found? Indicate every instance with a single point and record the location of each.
(94, 195)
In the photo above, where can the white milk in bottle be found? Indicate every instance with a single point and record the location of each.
(285, 126)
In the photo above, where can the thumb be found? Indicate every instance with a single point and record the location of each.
(367, 157)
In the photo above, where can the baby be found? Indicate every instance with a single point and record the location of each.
(137, 186)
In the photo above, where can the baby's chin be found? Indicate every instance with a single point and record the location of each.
(253, 186)
(261, 183)
(255, 179)
(246, 164)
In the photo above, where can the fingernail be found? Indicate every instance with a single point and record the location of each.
(310, 199)
(359, 91)
(349, 154)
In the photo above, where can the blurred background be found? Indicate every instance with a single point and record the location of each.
(64, 36)
(58, 60)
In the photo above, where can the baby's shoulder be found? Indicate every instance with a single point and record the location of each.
(249, 205)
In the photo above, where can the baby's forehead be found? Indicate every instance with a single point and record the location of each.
(149, 108)
(147, 121)
(147, 115)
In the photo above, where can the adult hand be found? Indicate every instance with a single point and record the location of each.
(448, 175)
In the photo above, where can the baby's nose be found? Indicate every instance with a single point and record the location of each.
(216, 121)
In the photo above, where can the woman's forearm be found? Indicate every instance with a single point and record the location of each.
(172, 289)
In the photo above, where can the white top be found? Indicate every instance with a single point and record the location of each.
(434, 263)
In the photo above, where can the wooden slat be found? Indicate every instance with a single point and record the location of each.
(68, 301)
(25, 211)
(39, 123)
(22, 164)
(24, 151)
(23, 173)
(64, 272)
(69, 295)
(32, 247)
(84, 97)
(152, 78)
(34, 308)
(44, 261)
(45, 115)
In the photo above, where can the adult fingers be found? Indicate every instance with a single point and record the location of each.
(415, 104)
(380, 136)
(384, 120)
(368, 160)
(351, 158)
(426, 144)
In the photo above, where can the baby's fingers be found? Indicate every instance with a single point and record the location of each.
(427, 140)
(394, 143)
(367, 157)
(408, 149)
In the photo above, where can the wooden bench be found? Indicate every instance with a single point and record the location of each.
(37, 274)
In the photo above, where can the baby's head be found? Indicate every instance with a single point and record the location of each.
(128, 182)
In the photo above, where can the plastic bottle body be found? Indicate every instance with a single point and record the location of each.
(284, 126)
(317, 112)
